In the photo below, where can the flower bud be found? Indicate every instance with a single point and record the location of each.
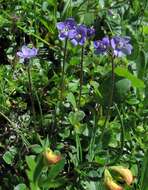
(124, 172)
(109, 182)
(51, 157)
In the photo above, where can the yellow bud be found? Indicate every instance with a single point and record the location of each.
(51, 157)
(125, 173)
(109, 182)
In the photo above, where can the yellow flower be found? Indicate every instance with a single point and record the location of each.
(51, 157)
(124, 172)
(109, 182)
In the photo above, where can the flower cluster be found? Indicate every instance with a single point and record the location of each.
(76, 33)
(119, 46)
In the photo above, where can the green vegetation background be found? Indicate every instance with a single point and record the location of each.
(78, 134)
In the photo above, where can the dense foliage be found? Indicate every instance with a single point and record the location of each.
(73, 94)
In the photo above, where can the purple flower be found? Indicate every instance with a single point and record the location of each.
(121, 46)
(90, 32)
(27, 53)
(101, 46)
(65, 27)
(78, 35)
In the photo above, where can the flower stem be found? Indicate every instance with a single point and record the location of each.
(78, 148)
(31, 92)
(81, 76)
(63, 70)
(61, 96)
(110, 98)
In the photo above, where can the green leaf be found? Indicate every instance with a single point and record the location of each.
(144, 173)
(71, 99)
(141, 64)
(134, 80)
(96, 88)
(122, 87)
(38, 169)
(9, 156)
(133, 101)
(20, 186)
(88, 18)
(30, 161)
(34, 187)
(134, 41)
(76, 117)
(94, 185)
(37, 148)
(46, 24)
(55, 169)
(54, 183)
(3, 21)
(67, 9)
(145, 29)
(106, 138)
(74, 61)
(31, 164)
(45, 142)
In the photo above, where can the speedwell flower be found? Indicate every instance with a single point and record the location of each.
(101, 46)
(27, 53)
(121, 46)
(65, 27)
(78, 35)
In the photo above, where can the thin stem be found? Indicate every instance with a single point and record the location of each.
(110, 98)
(81, 76)
(63, 70)
(62, 88)
(31, 92)
(8, 120)
(78, 148)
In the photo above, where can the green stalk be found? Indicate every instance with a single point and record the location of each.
(78, 148)
(63, 70)
(122, 130)
(81, 76)
(31, 92)
(62, 88)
